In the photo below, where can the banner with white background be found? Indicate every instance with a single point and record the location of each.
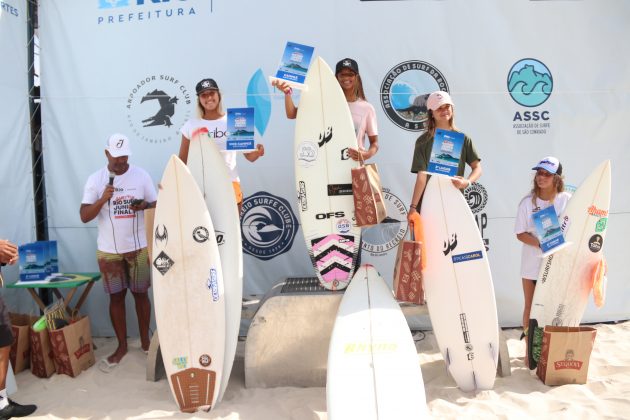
(102, 59)
(17, 218)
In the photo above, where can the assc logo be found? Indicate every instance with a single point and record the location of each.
(157, 107)
(269, 225)
(405, 90)
(379, 239)
(529, 82)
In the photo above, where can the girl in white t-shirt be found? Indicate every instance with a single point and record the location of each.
(212, 117)
(548, 190)
(363, 114)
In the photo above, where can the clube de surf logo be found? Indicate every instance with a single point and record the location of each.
(157, 107)
(530, 84)
(379, 239)
(268, 225)
(405, 90)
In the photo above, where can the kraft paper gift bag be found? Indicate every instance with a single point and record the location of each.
(72, 347)
(369, 206)
(20, 349)
(565, 355)
(408, 270)
(42, 357)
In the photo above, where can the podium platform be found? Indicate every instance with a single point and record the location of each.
(287, 342)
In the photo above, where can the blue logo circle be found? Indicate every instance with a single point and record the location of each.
(268, 225)
(529, 82)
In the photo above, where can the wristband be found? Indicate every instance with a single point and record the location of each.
(412, 206)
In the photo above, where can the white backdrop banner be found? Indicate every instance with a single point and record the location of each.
(17, 218)
(102, 61)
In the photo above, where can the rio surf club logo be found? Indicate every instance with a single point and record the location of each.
(268, 224)
(530, 84)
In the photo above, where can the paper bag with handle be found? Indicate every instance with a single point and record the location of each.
(42, 357)
(72, 347)
(565, 355)
(369, 206)
(21, 347)
(408, 268)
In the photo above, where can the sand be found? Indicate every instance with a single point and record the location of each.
(126, 394)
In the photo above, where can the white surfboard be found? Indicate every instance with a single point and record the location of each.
(188, 290)
(373, 367)
(566, 277)
(323, 133)
(458, 287)
(208, 168)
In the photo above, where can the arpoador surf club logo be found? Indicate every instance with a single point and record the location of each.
(268, 225)
(378, 240)
(157, 107)
(530, 84)
(405, 90)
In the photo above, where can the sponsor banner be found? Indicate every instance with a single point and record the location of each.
(131, 66)
(16, 182)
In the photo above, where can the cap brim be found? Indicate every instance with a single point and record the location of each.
(119, 154)
(206, 89)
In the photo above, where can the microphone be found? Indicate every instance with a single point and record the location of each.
(112, 174)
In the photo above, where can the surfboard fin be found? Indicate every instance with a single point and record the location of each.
(599, 281)
(493, 352)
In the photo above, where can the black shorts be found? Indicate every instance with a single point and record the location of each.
(6, 336)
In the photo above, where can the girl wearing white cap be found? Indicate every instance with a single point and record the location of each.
(440, 115)
(213, 120)
(363, 114)
(547, 190)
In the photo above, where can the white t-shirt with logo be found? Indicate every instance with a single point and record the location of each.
(364, 119)
(120, 229)
(216, 131)
(531, 255)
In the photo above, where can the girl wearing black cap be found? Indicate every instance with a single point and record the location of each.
(212, 118)
(547, 190)
(363, 114)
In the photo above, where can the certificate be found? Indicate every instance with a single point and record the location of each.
(446, 152)
(548, 231)
(294, 64)
(240, 130)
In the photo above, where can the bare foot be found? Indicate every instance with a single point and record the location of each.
(117, 356)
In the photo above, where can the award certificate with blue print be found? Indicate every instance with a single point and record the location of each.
(548, 231)
(240, 130)
(446, 152)
(294, 65)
